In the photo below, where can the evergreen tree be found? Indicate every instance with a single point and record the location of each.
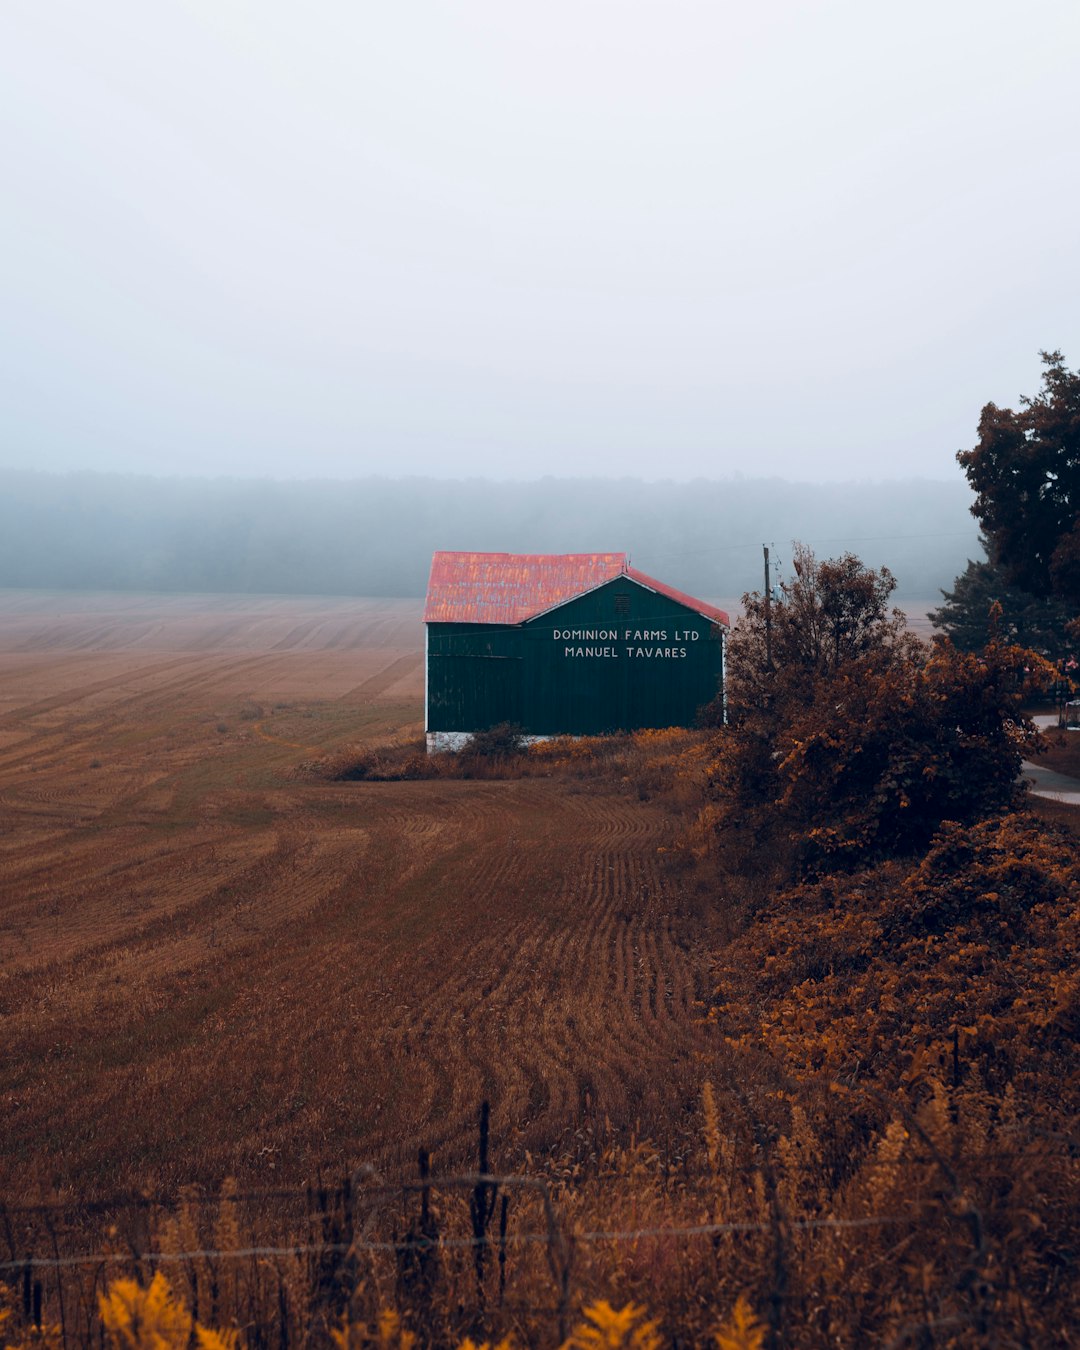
(1039, 623)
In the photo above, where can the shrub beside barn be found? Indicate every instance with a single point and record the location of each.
(567, 644)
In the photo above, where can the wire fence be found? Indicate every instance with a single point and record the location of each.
(507, 1243)
(1057, 1145)
(71, 1281)
(630, 1235)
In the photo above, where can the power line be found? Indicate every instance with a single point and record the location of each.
(820, 539)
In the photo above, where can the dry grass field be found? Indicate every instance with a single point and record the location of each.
(213, 963)
(833, 1113)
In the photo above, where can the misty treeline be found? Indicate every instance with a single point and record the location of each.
(375, 535)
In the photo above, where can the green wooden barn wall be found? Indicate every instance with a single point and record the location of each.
(621, 657)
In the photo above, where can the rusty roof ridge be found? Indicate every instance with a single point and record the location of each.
(454, 571)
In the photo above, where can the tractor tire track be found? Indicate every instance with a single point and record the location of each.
(378, 684)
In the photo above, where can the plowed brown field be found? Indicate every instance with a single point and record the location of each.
(213, 962)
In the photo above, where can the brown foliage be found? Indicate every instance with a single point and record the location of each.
(858, 740)
(829, 614)
(653, 760)
(847, 1121)
(865, 972)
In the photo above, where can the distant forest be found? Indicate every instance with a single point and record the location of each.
(375, 536)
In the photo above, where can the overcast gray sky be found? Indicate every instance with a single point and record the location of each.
(662, 238)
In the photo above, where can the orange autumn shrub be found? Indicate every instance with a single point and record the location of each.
(849, 739)
(874, 972)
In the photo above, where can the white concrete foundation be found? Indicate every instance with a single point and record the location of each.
(450, 742)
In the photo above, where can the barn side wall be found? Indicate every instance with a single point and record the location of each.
(621, 657)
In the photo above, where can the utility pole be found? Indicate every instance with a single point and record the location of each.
(768, 612)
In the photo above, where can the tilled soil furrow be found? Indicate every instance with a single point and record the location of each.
(27, 712)
(306, 970)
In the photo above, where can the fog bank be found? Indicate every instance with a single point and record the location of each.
(375, 536)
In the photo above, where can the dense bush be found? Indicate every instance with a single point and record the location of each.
(851, 740)
(653, 761)
(865, 973)
(503, 741)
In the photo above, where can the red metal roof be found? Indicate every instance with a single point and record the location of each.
(513, 587)
(709, 611)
